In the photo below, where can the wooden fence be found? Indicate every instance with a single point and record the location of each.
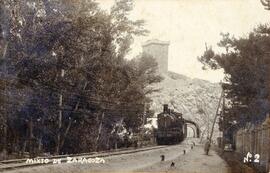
(255, 140)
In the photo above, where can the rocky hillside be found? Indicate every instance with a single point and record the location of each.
(196, 99)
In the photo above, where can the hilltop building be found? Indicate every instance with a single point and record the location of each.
(159, 50)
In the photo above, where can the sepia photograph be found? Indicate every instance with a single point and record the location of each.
(135, 86)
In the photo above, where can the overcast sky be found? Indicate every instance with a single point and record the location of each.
(188, 24)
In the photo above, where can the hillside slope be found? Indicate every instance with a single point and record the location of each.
(196, 99)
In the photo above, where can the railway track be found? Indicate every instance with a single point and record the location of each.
(22, 163)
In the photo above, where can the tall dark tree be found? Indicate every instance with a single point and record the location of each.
(246, 63)
(69, 79)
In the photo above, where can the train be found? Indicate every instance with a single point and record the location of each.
(171, 127)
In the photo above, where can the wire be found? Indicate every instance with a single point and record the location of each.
(61, 91)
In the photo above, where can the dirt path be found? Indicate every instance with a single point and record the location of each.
(193, 162)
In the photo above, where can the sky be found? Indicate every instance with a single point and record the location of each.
(189, 24)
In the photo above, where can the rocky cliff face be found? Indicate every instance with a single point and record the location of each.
(196, 99)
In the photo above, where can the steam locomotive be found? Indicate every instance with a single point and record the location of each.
(171, 127)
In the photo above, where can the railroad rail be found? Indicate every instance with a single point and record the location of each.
(22, 163)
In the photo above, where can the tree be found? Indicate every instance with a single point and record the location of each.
(246, 83)
(266, 4)
(66, 64)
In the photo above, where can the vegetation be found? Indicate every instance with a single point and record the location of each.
(246, 64)
(65, 82)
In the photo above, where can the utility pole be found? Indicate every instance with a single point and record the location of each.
(5, 116)
(208, 125)
(60, 115)
(213, 125)
(99, 131)
(31, 137)
(141, 132)
(144, 115)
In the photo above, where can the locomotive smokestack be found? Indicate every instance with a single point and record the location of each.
(165, 108)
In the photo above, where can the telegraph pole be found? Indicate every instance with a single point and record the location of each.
(144, 115)
(5, 116)
(60, 116)
(219, 103)
(99, 131)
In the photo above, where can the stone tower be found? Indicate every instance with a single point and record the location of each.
(159, 50)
